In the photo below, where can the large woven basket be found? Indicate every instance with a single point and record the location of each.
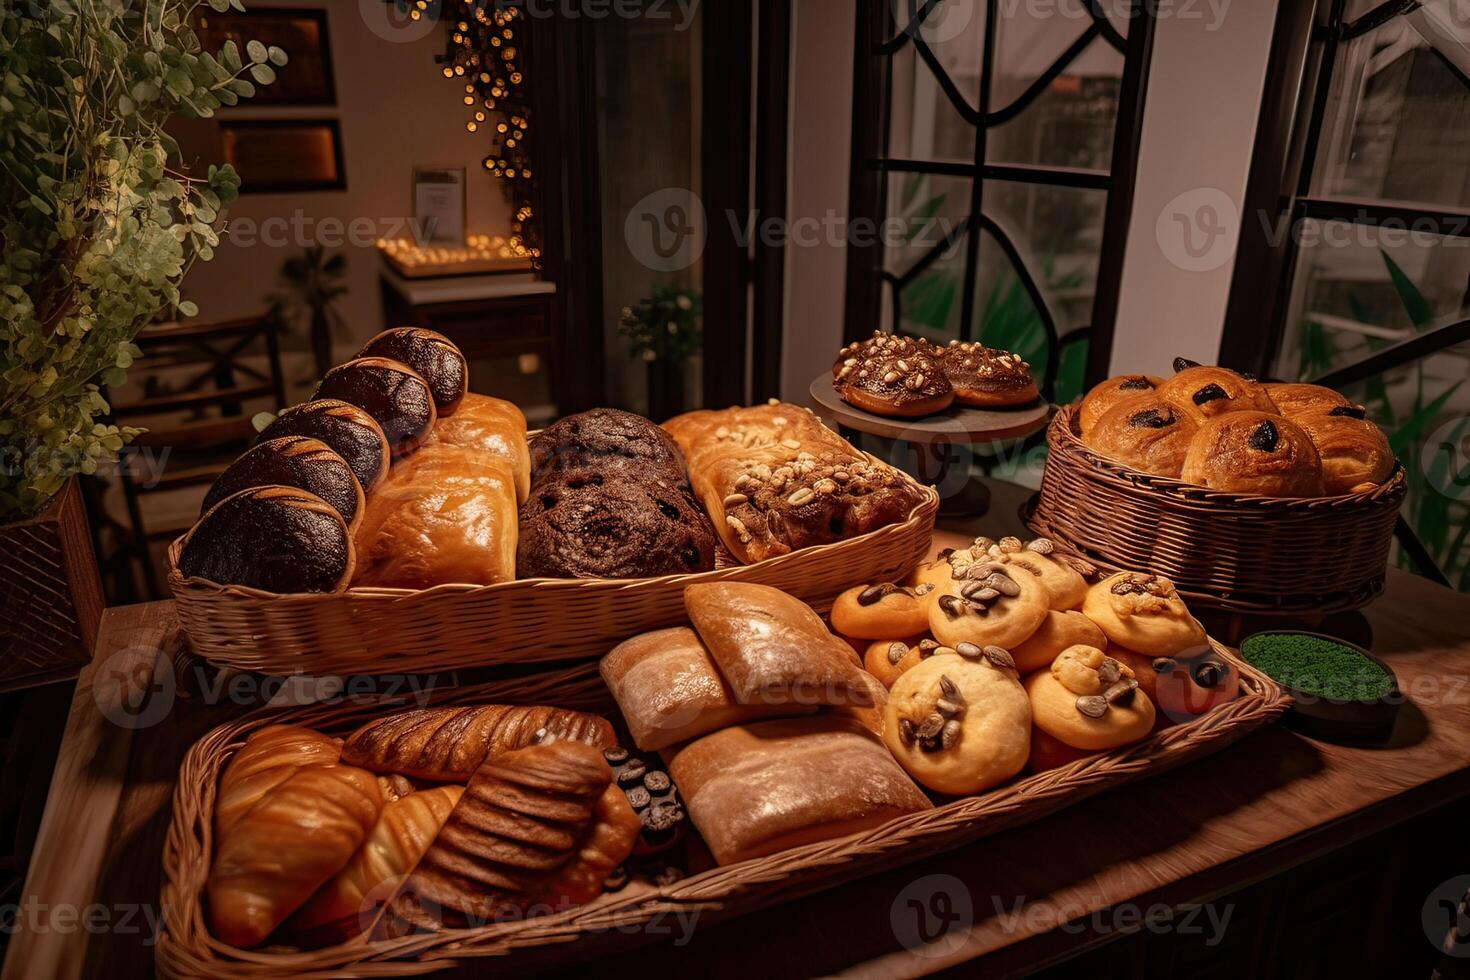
(625, 918)
(451, 627)
(1233, 552)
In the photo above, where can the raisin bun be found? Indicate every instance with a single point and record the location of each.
(902, 385)
(987, 378)
(606, 439)
(1206, 392)
(595, 524)
(1144, 432)
(1355, 453)
(1105, 395)
(1293, 400)
(1254, 453)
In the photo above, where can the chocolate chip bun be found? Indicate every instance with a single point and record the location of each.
(592, 524)
(276, 539)
(1254, 453)
(432, 355)
(1106, 394)
(987, 378)
(1206, 392)
(293, 461)
(903, 385)
(350, 432)
(1293, 400)
(1144, 432)
(1355, 453)
(393, 393)
(606, 438)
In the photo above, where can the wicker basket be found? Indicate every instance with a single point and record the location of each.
(450, 627)
(622, 919)
(1233, 552)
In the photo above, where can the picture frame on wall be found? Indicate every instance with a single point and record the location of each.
(301, 32)
(278, 155)
(439, 204)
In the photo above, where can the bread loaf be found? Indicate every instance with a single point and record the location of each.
(450, 744)
(756, 789)
(490, 425)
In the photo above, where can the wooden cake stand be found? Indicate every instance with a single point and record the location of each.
(935, 456)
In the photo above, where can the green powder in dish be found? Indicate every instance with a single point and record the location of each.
(1317, 666)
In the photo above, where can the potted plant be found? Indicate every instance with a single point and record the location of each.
(99, 221)
(312, 283)
(664, 330)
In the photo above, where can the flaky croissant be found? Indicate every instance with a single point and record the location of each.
(267, 759)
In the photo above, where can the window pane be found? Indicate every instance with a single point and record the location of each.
(931, 302)
(927, 209)
(1059, 232)
(924, 123)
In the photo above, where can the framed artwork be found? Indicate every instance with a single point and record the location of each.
(439, 204)
(274, 155)
(301, 32)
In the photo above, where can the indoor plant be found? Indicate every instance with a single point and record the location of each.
(99, 221)
(664, 330)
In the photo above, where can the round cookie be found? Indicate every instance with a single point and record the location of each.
(959, 725)
(933, 573)
(888, 660)
(1184, 686)
(433, 355)
(351, 433)
(1296, 399)
(293, 461)
(583, 525)
(987, 603)
(1106, 394)
(1355, 454)
(1208, 392)
(276, 539)
(391, 392)
(903, 385)
(1089, 701)
(1147, 433)
(1254, 453)
(1064, 585)
(1059, 630)
(1143, 612)
(872, 612)
(987, 378)
(604, 438)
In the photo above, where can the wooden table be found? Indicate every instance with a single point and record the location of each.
(1274, 800)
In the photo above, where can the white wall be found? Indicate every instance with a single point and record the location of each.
(396, 110)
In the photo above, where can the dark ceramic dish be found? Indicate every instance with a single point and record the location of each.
(1330, 719)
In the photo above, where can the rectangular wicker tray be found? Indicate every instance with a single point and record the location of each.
(185, 948)
(451, 627)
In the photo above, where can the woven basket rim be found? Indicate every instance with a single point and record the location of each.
(178, 581)
(1061, 435)
(185, 947)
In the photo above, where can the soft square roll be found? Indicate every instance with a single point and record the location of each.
(491, 425)
(757, 789)
(670, 690)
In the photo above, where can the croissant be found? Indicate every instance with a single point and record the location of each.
(271, 858)
(450, 744)
(267, 759)
(534, 827)
(347, 904)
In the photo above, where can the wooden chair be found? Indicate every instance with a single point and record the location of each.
(202, 383)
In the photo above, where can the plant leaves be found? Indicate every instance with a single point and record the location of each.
(1421, 313)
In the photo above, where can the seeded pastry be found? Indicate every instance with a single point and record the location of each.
(987, 378)
(903, 378)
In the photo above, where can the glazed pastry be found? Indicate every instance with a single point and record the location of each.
(432, 355)
(293, 461)
(1143, 612)
(772, 648)
(271, 858)
(987, 378)
(905, 385)
(1057, 574)
(606, 439)
(1254, 453)
(774, 479)
(450, 744)
(490, 425)
(348, 904)
(871, 612)
(1208, 392)
(588, 524)
(960, 723)
(654, 798)
(1060, 629)
(1184, 686)
(1355, 453)
(987, 603)
(753, 790)
(1293, 400)
(533, 828)
(1049, 752)
(1106, 394)
(443, 516)
(1146, 432)
(669, 690)
(391, 392)
(350, 432)
(276, 539)
(888, 660)
(268, 758)
(1089, 700)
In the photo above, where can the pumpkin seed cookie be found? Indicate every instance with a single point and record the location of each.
(986, 602)
(887, 660)
(1061, 576)
(1143, 612)
(873, 612)
(1057, 631)
(1089, 701)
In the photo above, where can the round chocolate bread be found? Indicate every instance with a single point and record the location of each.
(276, 539)
(350, 432)
(606, 437)
(595, 524)
(432, 355)
(393, 393)
(293, 461)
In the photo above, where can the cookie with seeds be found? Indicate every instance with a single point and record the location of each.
(906, 384)
(1143, 612)
(1089, 701)
(987, 603)
(984, 377)
(873, 612)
